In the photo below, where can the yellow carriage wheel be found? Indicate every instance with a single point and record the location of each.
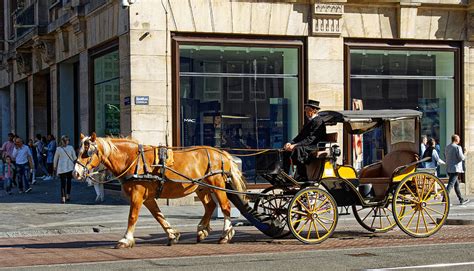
(312, 215)
(420, 204)
(375, 218)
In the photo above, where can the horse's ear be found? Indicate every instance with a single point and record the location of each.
(82, 136)
(93, 137)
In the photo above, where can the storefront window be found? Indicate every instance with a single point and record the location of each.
(107, 94)
(238, 97)
(404, 79)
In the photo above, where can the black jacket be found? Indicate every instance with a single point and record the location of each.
(312, 133)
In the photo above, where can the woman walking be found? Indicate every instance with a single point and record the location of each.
(434, 155)
(64, 165)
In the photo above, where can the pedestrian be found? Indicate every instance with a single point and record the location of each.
(8, 146)
(40, 157)
(8, 169)
(454, 159)
(50, 151)
(23, 162)
(423, 145)
(432, 153)
(64, 159)
(32, 147)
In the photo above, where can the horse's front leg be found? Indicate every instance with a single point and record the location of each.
(173, 235)
(136, 201)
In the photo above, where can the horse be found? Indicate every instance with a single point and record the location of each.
(121, 156)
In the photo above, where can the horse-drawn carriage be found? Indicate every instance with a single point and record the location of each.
(382, 195)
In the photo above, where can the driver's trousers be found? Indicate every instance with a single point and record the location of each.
(298, 157)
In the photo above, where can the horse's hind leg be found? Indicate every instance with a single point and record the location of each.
(204, 227)
(173, 235)
(221, 196)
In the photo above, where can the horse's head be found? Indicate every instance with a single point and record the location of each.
(88, 158)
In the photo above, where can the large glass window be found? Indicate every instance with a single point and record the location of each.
(107, 94)
(404, 79)
(238, 97)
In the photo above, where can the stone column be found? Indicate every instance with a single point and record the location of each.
(31, 123)
(12, 108)
(84, 105)
(54, 99)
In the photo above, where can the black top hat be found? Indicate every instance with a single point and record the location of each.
(312, 103)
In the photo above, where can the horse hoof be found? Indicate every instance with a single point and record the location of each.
(174, 241)
(225, 239)
(120, 245)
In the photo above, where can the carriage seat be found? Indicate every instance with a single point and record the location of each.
(381, 173)
(317, 159)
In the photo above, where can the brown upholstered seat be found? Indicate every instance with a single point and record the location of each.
(380, 174)
(317, 159)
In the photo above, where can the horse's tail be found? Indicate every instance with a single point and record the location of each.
(238, 180)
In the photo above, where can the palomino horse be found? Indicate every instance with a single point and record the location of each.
(120, 156)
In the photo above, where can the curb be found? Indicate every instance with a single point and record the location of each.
(459, 222)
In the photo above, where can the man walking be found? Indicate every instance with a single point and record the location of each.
(24, 162)
(454, 160)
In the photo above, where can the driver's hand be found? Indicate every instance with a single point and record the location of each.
(287, 146)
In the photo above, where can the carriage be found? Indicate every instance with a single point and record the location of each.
(382, 195)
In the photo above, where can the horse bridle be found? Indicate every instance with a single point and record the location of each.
(90, 153)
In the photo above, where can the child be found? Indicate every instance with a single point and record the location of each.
(8, 169)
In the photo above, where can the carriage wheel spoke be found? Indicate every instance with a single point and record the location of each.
(322, 224)
(432, 219)
(424, 220)
(320, 205)
(434, 210)
(317, 230)
(326, 218)
(387, 216)
(437, 193)
(297, 221)
(423, 189)
(418, 222)
(304, 206)
(405, 214)
(315, 201)
(309, 230)
(298, 212)
(407, 198)
(324, 211)
(304, 226)
(371, 210)
(373, 219)
(411, 219)
(429, 190)
(435, 203)
(411, 192)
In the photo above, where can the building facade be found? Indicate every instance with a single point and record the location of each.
(234, 74)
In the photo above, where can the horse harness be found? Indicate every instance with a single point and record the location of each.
(160, 157)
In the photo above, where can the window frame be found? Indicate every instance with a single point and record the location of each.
(413, 45)
(237, 40)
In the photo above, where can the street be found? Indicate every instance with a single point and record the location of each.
(40, 233)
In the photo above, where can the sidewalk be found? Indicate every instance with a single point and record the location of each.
(41, 213)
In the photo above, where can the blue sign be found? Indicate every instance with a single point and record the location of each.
(126, 100)
(142, 100)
